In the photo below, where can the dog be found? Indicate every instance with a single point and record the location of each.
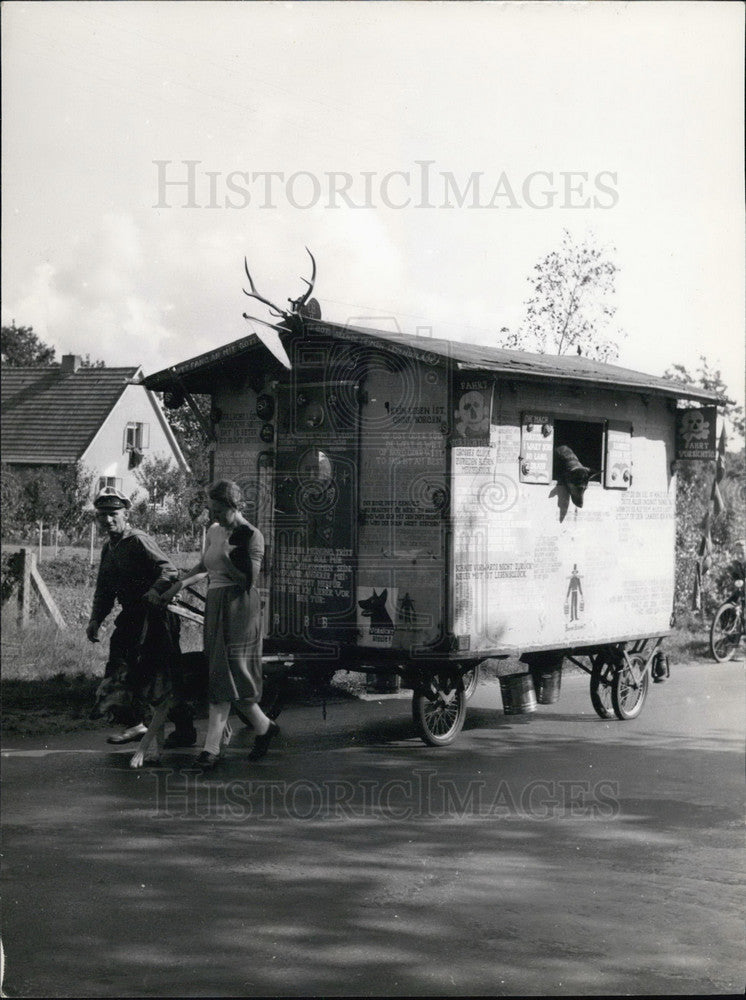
(572, 474)
(192, 686)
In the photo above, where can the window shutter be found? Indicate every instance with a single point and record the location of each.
(618, 459)
(537, 448)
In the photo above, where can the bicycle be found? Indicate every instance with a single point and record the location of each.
(728, 625)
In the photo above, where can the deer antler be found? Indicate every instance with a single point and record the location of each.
(253, 294)
(298, 303)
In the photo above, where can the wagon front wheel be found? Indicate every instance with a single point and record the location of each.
(629, 687)
(439, 709)
(725, 632)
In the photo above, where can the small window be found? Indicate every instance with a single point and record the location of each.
(114, 481)
(585, 438)
(136, 436)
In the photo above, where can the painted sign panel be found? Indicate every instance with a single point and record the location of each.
(537, 448)
(377, 612)
(404, 501)
(696, 433)
(315, 487)
(618, 465)
(471, 417)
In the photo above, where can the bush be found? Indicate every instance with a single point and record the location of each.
(11, 574)
(694, 485)
(73, 571)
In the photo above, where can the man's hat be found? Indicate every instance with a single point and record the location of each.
(111, 499)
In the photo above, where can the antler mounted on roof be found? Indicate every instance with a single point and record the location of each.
(304, 305)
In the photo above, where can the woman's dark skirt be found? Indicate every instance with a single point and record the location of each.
(233, 644)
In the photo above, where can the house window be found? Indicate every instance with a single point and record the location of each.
(109, 481)
(136, 436)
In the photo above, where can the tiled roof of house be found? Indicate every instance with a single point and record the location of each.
(48, 416)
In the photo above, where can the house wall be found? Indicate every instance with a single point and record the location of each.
(521, 549)
(106, 455)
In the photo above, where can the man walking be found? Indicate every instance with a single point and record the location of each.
(143, 666)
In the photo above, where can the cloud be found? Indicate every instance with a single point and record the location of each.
(99, 299)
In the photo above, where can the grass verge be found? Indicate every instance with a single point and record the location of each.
(48, 707)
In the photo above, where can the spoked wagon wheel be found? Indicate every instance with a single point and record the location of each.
(629, 686)
(439, 708)
(601, 678)
(470, 679)
(725, 632)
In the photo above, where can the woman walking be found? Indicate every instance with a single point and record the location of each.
(232, 561)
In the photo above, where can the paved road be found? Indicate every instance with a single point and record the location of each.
(551, 854)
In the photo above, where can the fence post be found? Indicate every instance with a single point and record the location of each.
(24, 590)
(93, 529)
(41, 538)
(56, 539)
(46, 599)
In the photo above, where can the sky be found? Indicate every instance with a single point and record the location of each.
(429, 154)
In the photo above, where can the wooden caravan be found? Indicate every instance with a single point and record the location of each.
(428, 504)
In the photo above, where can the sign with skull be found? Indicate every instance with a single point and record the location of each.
(471, 424)
(695, 433)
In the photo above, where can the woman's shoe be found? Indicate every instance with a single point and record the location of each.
(261, 743)
(206, 761)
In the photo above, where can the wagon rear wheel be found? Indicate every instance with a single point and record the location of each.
(601, 690)
(725, 632)
(629, 686)
(439, 708)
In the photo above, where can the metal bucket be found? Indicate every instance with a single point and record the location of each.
(518, 694)
(547, 682)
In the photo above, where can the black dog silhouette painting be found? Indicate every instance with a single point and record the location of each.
(374, 607)
(238, 554)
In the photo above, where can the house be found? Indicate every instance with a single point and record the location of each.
(57, 415)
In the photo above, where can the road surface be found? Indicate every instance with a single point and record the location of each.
(547, 854)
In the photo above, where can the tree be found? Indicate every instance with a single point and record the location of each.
(190, 436)
(21, 347)
(694, 517)
(11, 491)
(571, 306)
(87, 362)
(174, 503)
(710, 378)
(161, 478)
(53, 494)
